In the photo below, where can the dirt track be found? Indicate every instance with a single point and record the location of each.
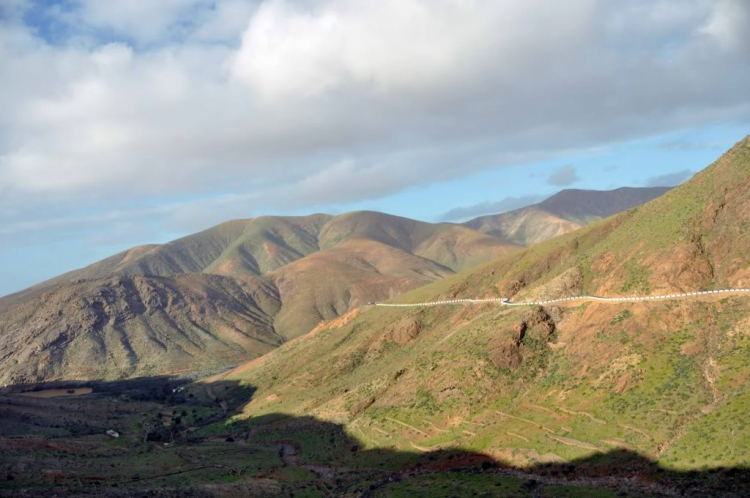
(577, 299)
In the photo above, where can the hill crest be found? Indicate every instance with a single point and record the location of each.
(562, 213)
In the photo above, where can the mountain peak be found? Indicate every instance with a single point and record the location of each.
(582, 205)
(567, 210)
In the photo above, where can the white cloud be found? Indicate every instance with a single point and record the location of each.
(283, 105)
(294, 50)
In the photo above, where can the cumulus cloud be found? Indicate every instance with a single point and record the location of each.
(290, 104)
(378, 47)
(482, 208)
(669, 179)
(564, 176)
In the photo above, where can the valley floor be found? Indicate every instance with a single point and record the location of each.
(177, 439)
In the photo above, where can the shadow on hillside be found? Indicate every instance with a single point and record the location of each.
(321, 443)
(324, 452)
(141, 384)
(161, 388)
(88, 407)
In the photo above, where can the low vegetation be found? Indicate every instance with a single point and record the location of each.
(664, 380)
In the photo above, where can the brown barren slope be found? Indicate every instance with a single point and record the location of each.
(224, 295)
(123, 326)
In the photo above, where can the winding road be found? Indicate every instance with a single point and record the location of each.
(623, 299)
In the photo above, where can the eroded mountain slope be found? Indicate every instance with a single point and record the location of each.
(118, 327)
(300, 270)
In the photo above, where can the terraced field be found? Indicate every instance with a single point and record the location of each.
(178, 440)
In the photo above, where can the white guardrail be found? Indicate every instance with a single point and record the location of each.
(506, 302)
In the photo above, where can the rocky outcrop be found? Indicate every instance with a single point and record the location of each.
(404, 331)
(507, 351)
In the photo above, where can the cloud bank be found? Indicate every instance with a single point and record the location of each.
(216, 108)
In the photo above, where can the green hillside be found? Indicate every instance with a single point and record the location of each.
(662, 381)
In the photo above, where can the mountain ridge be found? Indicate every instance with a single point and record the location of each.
(579, 204)
(306, 269)
(563, 212)
(303, 269)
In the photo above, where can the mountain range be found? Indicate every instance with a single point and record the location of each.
(244, 287)
(577, 398)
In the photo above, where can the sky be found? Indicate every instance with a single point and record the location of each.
(132, 122)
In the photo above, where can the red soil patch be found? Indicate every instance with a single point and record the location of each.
(336, 323)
